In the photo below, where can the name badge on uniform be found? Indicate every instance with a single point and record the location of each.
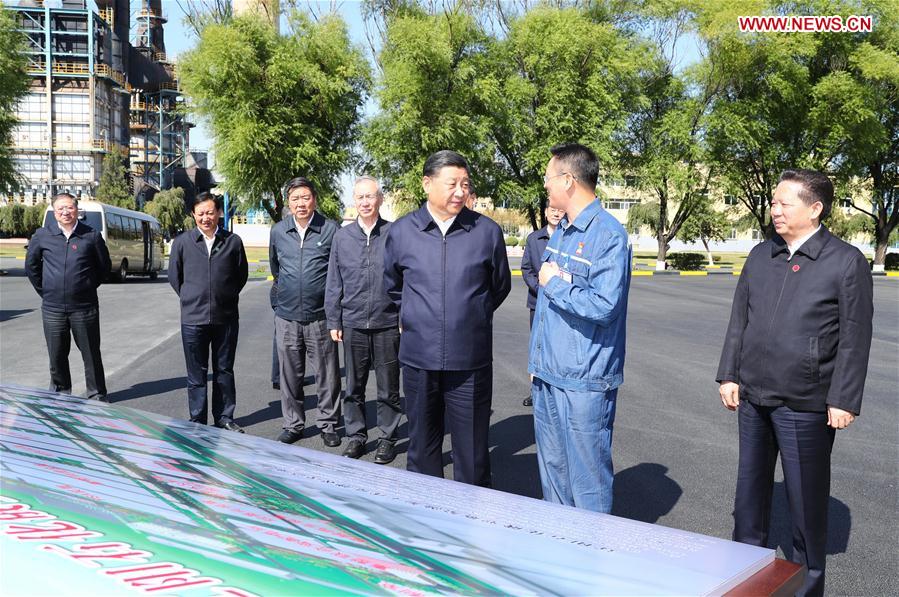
(565, 275)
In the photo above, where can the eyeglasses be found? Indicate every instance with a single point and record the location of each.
(546, 179)
(64, 209)
(369, 196)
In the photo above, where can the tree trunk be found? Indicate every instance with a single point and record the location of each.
(663, 251)
(705, 243)
(880, 250)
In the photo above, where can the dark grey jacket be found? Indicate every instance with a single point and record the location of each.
(531, 262)
(447, 288)
(300, 270)
(355, 295)
(208, 286)
(800, 328)
(66, 272)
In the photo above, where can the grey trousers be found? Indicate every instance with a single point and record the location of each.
(294, 340)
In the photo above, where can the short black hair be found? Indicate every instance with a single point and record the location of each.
(207, 196)
(64, 195)
(442, 159)
(579, 161)
(816, 186)
(299, 182)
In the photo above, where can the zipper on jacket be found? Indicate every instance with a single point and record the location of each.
(774, 315)
(443, 319)
(209, 282)
(368, 295)
(65, 277)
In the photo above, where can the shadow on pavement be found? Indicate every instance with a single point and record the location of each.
(514, 472)
(149, 388)
(839, 524)
(645, 492)
(7, 314)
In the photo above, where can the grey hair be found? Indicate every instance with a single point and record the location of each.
(367, 178)
(64, 195)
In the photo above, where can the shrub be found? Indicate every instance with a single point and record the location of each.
(891, 262)
(511, 241)
(687, 261)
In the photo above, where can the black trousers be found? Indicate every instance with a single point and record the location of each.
(458, 401)
(804, 441)
(364, 349)
(197, 340)
(84, 326)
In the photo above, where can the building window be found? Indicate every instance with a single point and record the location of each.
(731, 200)
(757, 234)
(624, 204)
(846, 202)
(733, 234)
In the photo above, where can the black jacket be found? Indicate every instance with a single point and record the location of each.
(355, 295)
(66, 272)
(208, 286)
(531, 262)
(447, 288)
(800, 328)
(300, 271)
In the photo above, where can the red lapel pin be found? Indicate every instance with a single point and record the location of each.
(795, 268)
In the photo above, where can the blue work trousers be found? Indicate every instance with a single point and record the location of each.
(573, 429)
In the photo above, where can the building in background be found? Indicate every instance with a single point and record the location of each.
(93, 90)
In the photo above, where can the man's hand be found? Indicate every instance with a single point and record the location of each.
(839, 418)
(548, 271)
(730, 395)
(337, 335)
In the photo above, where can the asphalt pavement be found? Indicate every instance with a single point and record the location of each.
(675, 446)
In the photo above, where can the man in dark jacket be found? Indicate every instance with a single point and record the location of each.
(299, 251)
(794, 362)
(66, 262)
(364, 319)
(208, 269)
(446, 269)
(531, 262)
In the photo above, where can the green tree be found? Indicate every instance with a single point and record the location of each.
(12, 219)
(848, 227)
(705, 224)
(856, 114)
(448, 82)
(13, 85)
(113, 188)
(427, 97)
(34, 218)
(278, 106)
(662, 143)
(168, 207)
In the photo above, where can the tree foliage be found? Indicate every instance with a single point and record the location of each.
(113, 188)
(558, 75)
(168, 207)
(279, 106)
(13, 85)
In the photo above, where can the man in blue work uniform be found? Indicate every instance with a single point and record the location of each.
(446, 269)
(577, 342)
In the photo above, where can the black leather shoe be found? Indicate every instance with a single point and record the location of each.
(354, 448)
(289, 436)
(276, 385)
(385, 453)
(528, 401)
(231, 426)
(331, 439)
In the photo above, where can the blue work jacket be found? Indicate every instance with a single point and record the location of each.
(577, 342)
(447, 288)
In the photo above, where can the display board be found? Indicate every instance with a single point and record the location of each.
(101, 500)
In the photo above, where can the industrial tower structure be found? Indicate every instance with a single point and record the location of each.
(92, 92)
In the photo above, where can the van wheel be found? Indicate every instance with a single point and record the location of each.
(122, 274)
(154, 275)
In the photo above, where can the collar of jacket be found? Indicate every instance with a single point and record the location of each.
(810, 248)
(315, 223)
(357, 229)
(543, 232)
(79, 230)
(423, 219)
(584, 218)
(200, 236)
